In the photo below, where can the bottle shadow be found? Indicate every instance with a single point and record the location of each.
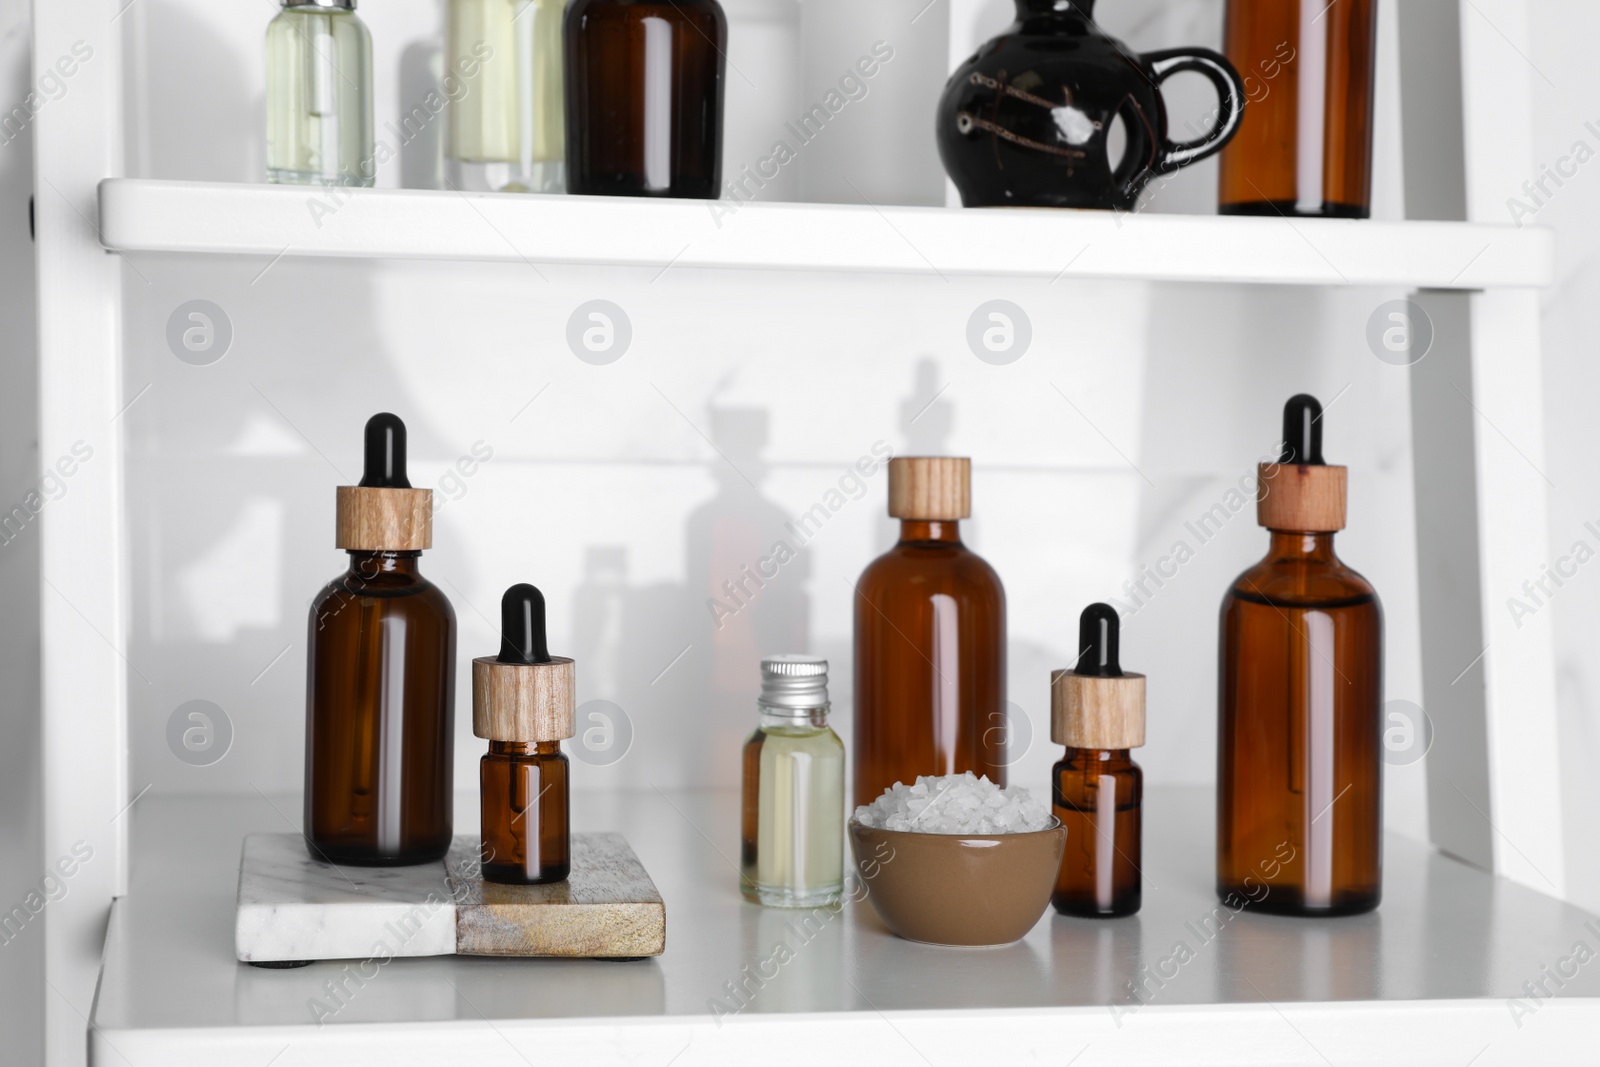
(680, 661)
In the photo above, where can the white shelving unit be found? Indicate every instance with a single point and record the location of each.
(1422, 984)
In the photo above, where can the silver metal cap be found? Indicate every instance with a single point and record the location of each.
(794, 683)
(341, 5)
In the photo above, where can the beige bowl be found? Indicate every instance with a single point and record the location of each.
(958, 889)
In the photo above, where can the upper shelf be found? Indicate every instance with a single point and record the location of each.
(138, 215)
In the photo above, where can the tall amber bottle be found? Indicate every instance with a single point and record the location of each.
(380, 677)
(1299, 756)
(1097, 712)
(645, 87)
(1304, 147)
(930, 641)
(522, 703)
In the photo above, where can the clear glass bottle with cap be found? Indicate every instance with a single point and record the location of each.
(522, 704)
(1097, 712)
(319, 95)
(792, 825)
(930, 641)
(380, 677)
(507, 125)
(1300, 725)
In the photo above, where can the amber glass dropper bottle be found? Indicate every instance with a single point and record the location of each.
(1097, 712)
(1299, 757)
(930, 641)
(522, 703)
(380, 677)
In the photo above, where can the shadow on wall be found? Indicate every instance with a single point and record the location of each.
(926, 420)
(421, 136)
(166, 138)
(684, 657)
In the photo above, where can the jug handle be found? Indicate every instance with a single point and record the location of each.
(1230, 102)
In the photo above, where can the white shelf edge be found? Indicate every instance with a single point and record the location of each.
(1417, 1032)
(141, 215)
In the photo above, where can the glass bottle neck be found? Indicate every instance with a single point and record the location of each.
(1098, 755)
(792, 717)
(372, 564)
(1295, 547)
(524, 748)
(946, 531)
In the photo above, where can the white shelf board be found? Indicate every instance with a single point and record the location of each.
(1424, 980)
(138, 215)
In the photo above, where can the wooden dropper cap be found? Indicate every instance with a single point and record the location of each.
(1097, 705)
(1300, 493)
(525, 694)
(930, 488)
(383, 513)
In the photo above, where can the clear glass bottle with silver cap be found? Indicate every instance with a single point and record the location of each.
(508, 122)
(319, 95)
(792, 829)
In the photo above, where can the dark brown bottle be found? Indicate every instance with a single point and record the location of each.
(1299, 756)
(930, 641)
(526, 804)
(645, 97)
(522, 703)
(1305, 145)
(1097, 712)
(380, 678)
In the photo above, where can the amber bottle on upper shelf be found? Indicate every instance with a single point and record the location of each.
(380, 677)
(930, 641)
(522, 703)
(645, 96)
(1299, 756)
(1097, 712)
(1304, 147)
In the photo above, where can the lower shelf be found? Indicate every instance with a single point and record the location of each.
(1449, 970)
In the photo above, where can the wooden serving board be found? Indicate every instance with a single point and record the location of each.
(292, 908)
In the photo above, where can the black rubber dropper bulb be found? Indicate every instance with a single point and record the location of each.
(522, 637)
(1302, 431)
(1099, 634)
(385, 464)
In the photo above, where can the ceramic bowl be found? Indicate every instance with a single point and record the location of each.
(958, 889)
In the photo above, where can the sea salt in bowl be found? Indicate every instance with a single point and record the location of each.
(956, 860)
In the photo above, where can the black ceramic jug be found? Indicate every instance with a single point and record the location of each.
(1026, 121)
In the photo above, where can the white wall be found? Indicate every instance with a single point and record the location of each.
(1566, 89)
(606, 493)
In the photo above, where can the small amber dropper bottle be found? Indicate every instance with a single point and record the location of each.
(1299, 757)
(1097, 712)
(522, 702)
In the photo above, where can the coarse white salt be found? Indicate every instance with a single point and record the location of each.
(955, 804)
